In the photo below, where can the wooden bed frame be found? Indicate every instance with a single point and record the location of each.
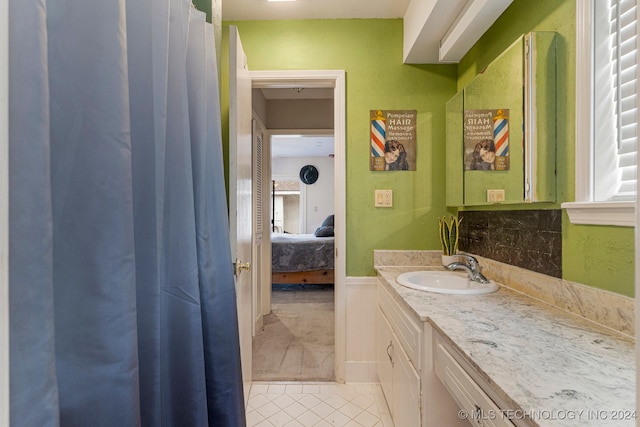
(316, 277)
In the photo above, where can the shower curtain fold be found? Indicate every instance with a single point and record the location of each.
(122, 300)
(32, 335)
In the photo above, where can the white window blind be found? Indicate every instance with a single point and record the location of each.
(605, 168)
(624, 58)
(615, 103)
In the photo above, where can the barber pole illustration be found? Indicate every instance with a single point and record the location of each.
(378, 139)
(378, 135)
(501, 139)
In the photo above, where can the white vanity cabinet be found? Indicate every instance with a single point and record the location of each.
(399, 379)
(475, 403)
(415, 396)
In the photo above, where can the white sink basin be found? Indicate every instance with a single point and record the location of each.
(444, 283)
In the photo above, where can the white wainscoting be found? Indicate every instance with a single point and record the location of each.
(361, 303)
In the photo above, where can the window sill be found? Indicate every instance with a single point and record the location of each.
(601, 213)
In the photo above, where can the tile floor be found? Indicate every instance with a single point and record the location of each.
(295, 404)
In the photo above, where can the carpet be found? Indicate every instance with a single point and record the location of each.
(297, 340)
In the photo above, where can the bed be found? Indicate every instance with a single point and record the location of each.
(302, 258)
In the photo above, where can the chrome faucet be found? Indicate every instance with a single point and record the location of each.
(471, 267)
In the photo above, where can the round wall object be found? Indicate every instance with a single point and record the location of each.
(308, 174)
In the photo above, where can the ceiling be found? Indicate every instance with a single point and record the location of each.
(434, 31)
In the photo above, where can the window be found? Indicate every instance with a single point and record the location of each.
(606, 112)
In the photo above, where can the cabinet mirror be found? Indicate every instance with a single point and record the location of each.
(501, 129)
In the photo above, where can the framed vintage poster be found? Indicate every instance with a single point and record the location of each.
(393, 140)
(486, 140)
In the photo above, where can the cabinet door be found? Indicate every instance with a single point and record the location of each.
(499, 87)
(384, 350)
(518, 88)
(406, 391)
(540, 117)
(399, 380)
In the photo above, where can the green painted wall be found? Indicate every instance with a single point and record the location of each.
(205, 6)
(599, 256)
(370, 51)
(213, 9)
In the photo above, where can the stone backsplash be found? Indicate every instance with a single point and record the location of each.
(530, 239)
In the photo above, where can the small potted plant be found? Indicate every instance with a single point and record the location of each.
(448, 232)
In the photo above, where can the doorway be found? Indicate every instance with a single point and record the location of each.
(334, 80)
(297, 339)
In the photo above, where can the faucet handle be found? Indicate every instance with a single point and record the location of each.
(471, 261)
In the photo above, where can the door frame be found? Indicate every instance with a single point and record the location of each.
(326, 79)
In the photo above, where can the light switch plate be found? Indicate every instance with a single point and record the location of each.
(383, 198)
(495, 196)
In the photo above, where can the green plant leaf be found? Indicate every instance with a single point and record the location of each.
(453, 236)
(444, 235)
(448, 231)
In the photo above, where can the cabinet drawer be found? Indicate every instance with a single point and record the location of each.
(479, 407)
(404, 325)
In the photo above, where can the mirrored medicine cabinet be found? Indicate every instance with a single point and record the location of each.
(501, 129)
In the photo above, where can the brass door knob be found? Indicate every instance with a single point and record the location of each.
(238, 266)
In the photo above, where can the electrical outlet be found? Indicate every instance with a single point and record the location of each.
(384, 198)
(495, 196)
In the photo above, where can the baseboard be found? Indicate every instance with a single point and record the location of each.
(361, 280)
(361, 372)
(258, 324)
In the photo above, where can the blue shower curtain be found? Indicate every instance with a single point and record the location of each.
(122, 301)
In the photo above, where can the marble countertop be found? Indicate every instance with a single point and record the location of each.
(555, 367)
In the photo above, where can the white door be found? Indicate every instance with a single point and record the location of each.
(257, 272)
(240, 192)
